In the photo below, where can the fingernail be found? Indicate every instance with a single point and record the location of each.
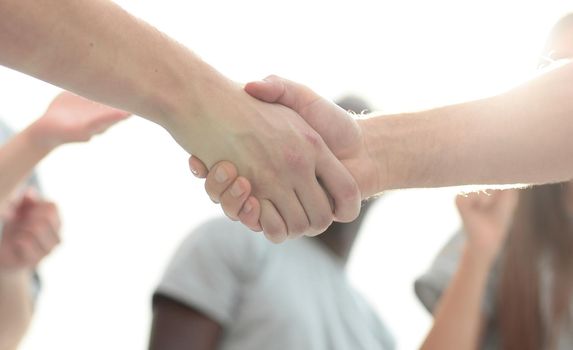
(221, 175)
(236, 190)
(194, 171)
(247, 208)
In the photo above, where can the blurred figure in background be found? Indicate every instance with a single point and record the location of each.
(29, 224)
(228, 288)
(508, 282)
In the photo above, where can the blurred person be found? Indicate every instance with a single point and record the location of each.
(508, 283)
(29, 224)
(462, 288)
(523, 301)
(227, 288)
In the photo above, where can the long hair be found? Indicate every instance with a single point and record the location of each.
(541, 235)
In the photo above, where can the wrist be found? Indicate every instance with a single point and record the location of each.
(479, 255)
(38, 140)
(370, 173)
(14, 275)
(187, 89)
(389, 142)
(189, 111)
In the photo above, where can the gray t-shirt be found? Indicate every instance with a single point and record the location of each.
(290, 296)
(5, 134)
(430, 286)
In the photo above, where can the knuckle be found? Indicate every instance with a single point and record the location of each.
(322, 223)
(350, 191)
(295, 159)
(213, 195)
(299, 227)
(230, 210)
(275, 233)
(313, 139)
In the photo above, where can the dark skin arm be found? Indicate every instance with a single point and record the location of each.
(178, 327)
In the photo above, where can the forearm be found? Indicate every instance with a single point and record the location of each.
(523, 136)
(18, 157)
(15, 307)
(458, 317)
(98, 50)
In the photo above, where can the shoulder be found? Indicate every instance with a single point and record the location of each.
(224, 235)
(430, 285)
(229, 242)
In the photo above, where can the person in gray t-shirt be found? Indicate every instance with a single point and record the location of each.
(230, 289)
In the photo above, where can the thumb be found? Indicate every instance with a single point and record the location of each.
(274, 89)
(266, 90)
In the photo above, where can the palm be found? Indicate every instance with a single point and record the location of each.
(71, 118)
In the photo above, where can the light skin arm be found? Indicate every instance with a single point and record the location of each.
(69, 118)
(459, 320)
(503, 139)
(15, 306)
(100, 51)
(30, 233)
(179, 327)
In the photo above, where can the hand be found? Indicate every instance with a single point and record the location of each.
(287, 162)
(487, 218)
(71, 118)
(29, 234)
(342, 133)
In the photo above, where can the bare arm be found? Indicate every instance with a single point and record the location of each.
(522, 136)
(459, 319)
(100, 51)
(29, 234)
(15, 307)
(179, 327)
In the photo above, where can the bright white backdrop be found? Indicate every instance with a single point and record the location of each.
(127, 198)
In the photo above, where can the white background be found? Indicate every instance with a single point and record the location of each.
(127, 198)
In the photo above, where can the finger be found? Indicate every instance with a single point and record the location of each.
(220, 177)
(28, 254)
(317, 207)
(234, 197)
(197, 167)
(272, 223)
(293, 213)
(46, 214)
(48, 241)
(43, 241)
(31, 194)
(250, 214)
(47, 232)
(340, 185)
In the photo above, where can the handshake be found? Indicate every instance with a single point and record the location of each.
(312, 165)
